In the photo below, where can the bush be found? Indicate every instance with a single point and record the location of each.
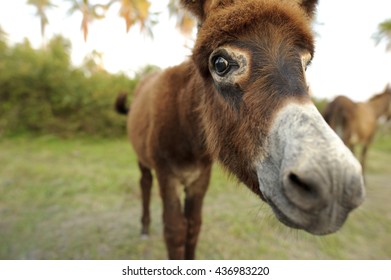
(320, 104)
(41, 92)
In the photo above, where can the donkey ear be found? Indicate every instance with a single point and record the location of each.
(309, 7)
(201, 8)
(195, 7)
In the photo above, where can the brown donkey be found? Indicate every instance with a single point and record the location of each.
(356, 123)
(242, 100)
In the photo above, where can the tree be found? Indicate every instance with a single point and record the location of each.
(42, 92)
(185, 22)
(3, 34)
(3, 39)
(134, 10)
(93, 63)
(42, 6)
(89, 12)
(3, 52)
(384, 33)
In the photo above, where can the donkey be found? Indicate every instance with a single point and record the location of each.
(356, 123)
(241, 100)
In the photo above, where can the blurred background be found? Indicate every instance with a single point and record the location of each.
(68, 177)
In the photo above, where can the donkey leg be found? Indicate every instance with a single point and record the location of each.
(173, 219)
(146, 185)
(193, 211)
(347, 139)
(364, 156)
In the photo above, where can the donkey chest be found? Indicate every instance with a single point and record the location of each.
(174, 143)
(187, 175)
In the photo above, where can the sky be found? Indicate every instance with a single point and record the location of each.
(346, 61)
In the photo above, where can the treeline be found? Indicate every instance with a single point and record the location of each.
(41, 92)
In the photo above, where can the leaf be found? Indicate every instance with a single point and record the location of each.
(135, 11)
(383, 33)
(126, 11)
(185, 22)
(89, 13)
(42, 6)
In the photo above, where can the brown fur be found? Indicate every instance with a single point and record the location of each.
(356, 122)
(180, 120)
(221, 26)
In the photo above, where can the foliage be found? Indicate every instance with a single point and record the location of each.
(3, 41)
(384, 33)
(185, 21)
(89, 13)
(137, 11)
(320, 103)
(42, 6)
(132, 11)
(40, 92)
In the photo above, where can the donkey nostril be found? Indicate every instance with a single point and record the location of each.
(301, 186)
(304, 192)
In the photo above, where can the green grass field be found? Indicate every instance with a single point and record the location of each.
(79, 199)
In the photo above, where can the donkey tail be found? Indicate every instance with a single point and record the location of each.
(328, 113)
(120, 104)
(334, 113)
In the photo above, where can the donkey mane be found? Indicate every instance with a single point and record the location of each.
(387, 90)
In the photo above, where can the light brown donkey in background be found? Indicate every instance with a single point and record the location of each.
(356, 122)
(242, 100)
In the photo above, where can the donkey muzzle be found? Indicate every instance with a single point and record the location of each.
(310, 178)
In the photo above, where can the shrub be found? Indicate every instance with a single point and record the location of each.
(41, 92)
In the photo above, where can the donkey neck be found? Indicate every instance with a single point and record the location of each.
(380, 104)
(189, 105)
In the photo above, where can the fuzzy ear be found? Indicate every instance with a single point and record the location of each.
(309, 6)
(195, 7)
(201, 8)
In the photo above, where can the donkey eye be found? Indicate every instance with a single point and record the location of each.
(221, 65)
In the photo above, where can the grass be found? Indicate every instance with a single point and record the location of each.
(79, 199)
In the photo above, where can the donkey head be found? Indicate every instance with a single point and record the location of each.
(258, 118)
